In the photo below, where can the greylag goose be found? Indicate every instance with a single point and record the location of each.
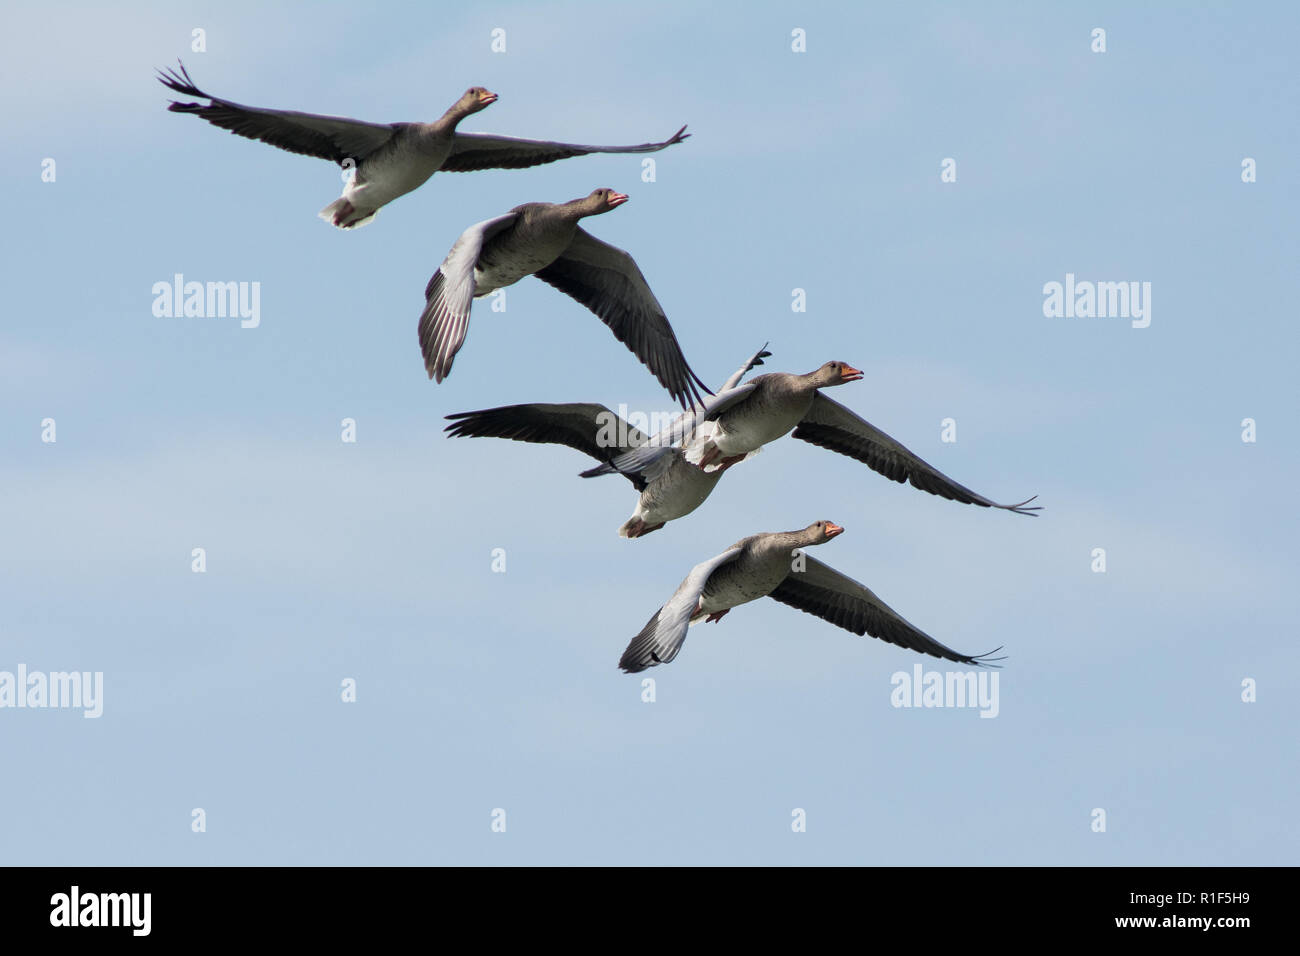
(737, 421)
(670, 487)
(545, 240)
(390, 159)
(772, 565)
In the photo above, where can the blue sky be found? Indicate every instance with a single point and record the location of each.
(479, 690)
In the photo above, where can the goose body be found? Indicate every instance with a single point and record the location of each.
(670, 487)
(402, 165)
(545, 240)
(777, 404)
(537, 236)
(389, 159)
(676, 493)
(737, 421)
(773, 564)
(767, 408)
(763, 563)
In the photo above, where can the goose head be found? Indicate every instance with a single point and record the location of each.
(819, 532)
(600, 200)
(475, 98)
(835, 373)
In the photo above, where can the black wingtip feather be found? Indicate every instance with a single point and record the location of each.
(987, 659)
(181, 82)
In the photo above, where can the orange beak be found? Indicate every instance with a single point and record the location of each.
(850, 374)
(617, 199)
(833, 530)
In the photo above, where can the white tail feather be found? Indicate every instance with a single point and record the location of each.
(343, 210)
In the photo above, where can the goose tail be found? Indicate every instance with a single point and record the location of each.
(343, 214)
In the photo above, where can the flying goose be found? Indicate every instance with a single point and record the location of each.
(772, 565)
(670, 487)
(737, 421)
(390, 159)
(544, 239)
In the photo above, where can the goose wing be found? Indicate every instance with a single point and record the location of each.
(335, 138)
(837, 598)
(449, 296)
(607, 281)
(586, 427)
(754, 360)
(470, 151)
(665, 632)
(831, 425)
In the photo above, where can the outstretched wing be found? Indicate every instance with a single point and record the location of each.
(449, 296)
(589, 428)
(664, 634)
(470, 151)
(836, 598)
(754, 360)
(831, 425)
(607, 281)
(335, 138)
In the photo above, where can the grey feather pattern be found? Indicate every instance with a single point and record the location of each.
(585, 427)
(449, 297)
(608, 282)
(822, 591)
(662, 637)
(831, 425)
(336, 138)
(470, 151)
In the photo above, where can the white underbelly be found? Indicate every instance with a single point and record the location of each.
(382, 180)
(681, 490)
(748, 434)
